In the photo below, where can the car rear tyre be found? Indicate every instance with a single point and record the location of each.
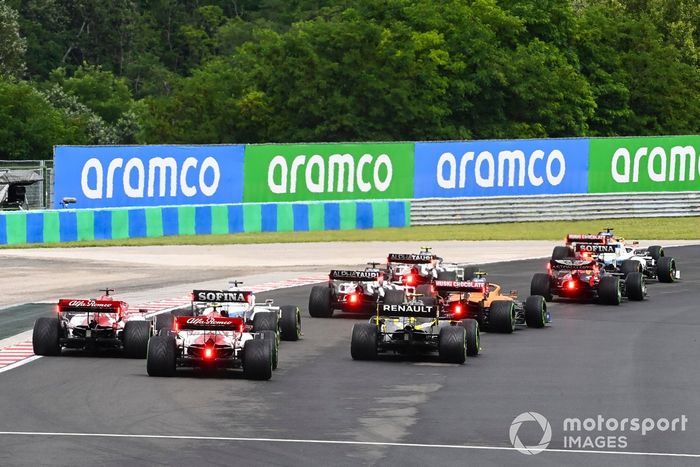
(563, 252)
(502, 316)
(265, 321)
(609, 290)
(164, 322)
(270, 338)
(45, 337)
(535, 311)
(135, 338)
(290, 323)
(470, 272)
(452, 344)
(630, 266)
(471, 327)
(160, 358)
(363, 344)
(635, 286)
(666, 269)
(257, 360)
(320, 302)
(656, 252)
(541, 285)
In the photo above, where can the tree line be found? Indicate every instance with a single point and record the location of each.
(254, 71)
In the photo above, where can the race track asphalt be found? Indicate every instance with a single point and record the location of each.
(635, 360)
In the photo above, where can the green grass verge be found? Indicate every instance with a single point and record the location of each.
(677, 228)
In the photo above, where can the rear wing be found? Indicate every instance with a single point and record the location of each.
(222, 296)
(410, 258)
(408, 311)
(460, 286)
(72, 305)
(587, 238)
(361, 276)
(572, 264)
(208, 323)
(595, 248)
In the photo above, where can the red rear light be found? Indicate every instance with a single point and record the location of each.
(352, 298)
(571, 285)
(458, 309)
(410, 279)
(208, 352)
(586, 255)
(432, 288)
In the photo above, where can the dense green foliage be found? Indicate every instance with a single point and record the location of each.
(248, 71)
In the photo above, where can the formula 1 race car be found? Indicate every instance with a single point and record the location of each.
(414, 269)
(91, 324)
(348, 291)
(485, 303)
(585, 279)
(284, 320)
(214, 337)
(411, 328)
(616, 256)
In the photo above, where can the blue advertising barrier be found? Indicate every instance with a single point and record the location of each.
(163, 175)
(500, 168)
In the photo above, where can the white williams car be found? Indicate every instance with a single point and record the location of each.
(616, 256)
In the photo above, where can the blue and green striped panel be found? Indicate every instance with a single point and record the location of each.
(68, 225)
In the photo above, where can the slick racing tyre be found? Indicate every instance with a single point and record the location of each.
(666, 269)
(635, 287)
(452, 344)
(535, 311)
(265, 321)
(320, 302)
(609, 290)
(656, 252)
(471, 327)
(135, 338)
(363, 344)
(541, 285)
(270, 338)
(502, 316)
(164, 322)
(45, 337)
(630, 266)
(563, 252)
(160, 358)
(394, 297)
(257, 360)
(290, 323)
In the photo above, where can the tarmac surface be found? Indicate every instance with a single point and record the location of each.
(323, 408)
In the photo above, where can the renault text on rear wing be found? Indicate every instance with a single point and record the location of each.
(460, 286)
(410, 258)
(88, 306)
(405, 310)
(223, 296)
(365, 276)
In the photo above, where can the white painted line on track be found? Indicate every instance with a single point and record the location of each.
(19, 363)
(340, 442)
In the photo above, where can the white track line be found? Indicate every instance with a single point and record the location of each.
(340, 442)
(19, 363)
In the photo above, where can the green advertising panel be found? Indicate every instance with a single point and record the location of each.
(312, 172)
(664, 163)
